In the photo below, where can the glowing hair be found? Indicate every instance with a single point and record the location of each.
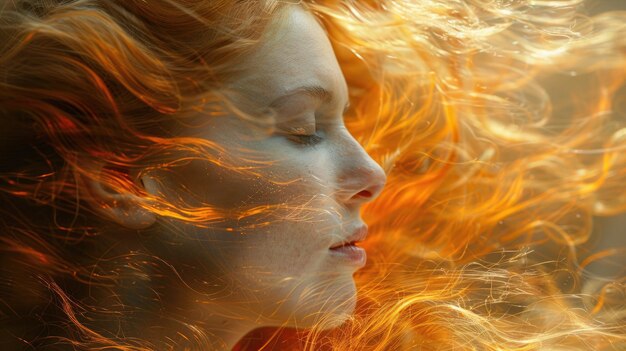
(482, 162)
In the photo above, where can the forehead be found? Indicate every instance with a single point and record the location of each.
(294, 52)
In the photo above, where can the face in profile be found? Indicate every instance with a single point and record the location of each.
(289, 261)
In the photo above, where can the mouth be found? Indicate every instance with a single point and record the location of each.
(347, 250)
(344, 244)
(357, 236)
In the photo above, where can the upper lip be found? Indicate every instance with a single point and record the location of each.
(357, 236)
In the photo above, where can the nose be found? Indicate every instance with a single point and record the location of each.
(361, 179)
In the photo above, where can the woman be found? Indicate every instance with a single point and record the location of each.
(177, 174)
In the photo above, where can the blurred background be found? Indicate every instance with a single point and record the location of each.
(608, 232)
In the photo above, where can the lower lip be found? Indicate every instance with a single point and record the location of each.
(351, 254)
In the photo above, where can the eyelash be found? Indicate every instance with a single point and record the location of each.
(306, 139)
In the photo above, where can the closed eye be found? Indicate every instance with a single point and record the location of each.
(306, 139)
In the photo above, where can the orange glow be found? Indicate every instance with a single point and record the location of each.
(500, 126)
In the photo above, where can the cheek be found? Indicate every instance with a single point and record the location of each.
(280, 255)
(289, 248)
(299, 182)
(283, 216)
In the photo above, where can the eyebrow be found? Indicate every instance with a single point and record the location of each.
(314, 91)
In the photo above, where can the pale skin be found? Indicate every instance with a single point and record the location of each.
(280, 273)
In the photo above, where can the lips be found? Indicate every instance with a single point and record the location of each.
(357, 236)
(347, 252)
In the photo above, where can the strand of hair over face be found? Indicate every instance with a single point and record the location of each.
(498, 124)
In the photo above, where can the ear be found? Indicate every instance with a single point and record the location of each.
(122, 208)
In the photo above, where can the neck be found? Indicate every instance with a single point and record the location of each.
(183, 321)
(212, 334)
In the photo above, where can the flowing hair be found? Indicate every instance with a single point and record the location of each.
(497, 123)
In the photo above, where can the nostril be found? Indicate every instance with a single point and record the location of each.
(365, 193)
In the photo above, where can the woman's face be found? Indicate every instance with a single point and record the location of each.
(277, 267)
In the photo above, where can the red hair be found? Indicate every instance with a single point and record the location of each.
(445, 96)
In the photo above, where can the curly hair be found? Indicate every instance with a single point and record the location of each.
(494, 168)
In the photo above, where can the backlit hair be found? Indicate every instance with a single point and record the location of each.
(494, 169)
